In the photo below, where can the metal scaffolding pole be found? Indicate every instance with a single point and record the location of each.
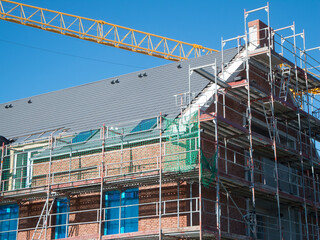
(315, 202)
(300, 135)
(309, 134)
(271, 80)
(302, 176)
(249, 118)
(218, 207)
(48, 190)
(200, 179)
(160, 179)
(274, 122)
(102, 170)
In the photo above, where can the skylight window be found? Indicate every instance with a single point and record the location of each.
(84, 136)
(144, 125)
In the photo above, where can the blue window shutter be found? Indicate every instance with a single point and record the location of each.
(62, 218)
(9, 213)
(128, 198)
(112, 203)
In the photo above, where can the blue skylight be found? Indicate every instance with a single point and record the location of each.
(83, 136)
(145, 125)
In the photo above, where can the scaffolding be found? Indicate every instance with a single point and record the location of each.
(293, 115)
(156, 151)
(241, 160)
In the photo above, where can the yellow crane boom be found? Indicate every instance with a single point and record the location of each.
(100, 31)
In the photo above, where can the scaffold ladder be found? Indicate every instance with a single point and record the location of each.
(271, 122)
(43, 220)
(284, 84)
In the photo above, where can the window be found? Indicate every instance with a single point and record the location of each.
(8, 221)
(125, 205)
(145, 125)
(84, 136)
(62, 218)
(130, 211)
(20, 171)
(112, 203)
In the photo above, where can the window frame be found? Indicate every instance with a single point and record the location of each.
(118, 224)
(65, 226)
(9, 233)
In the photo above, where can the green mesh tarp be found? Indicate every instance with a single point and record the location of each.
(208, 169)
(181, 147)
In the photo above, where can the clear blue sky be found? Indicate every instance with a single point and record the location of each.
(35, 61)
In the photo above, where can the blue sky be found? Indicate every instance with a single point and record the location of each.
(35, 61)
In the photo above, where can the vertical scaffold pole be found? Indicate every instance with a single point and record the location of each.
(310, 137)
(274, 123)
(160, 178)
(191, 205)
(48, 187)
(249, 115)
(218, 210)
(200, 177)
(300, 135)
(102, 181)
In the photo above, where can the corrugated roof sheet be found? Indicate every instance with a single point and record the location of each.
(101, 102)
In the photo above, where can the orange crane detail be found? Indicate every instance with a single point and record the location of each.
(100, 32)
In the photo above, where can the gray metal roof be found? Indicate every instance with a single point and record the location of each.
(95, 103)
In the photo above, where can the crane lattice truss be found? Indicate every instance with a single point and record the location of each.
(100, 31)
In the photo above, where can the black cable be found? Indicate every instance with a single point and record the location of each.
(71, 55)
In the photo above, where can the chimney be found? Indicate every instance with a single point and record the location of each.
(258, 34)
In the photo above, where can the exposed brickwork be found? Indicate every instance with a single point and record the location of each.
(151, 195)
(129, 160)
(261, 31)
(82, 205)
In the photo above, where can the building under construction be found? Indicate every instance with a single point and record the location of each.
(221, 146)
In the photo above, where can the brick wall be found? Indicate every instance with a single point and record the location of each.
(82, 203)
(134, 159)
(148, 195)
(30, 209)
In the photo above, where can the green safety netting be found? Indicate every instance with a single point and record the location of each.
(208, 169)
(181, 143)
